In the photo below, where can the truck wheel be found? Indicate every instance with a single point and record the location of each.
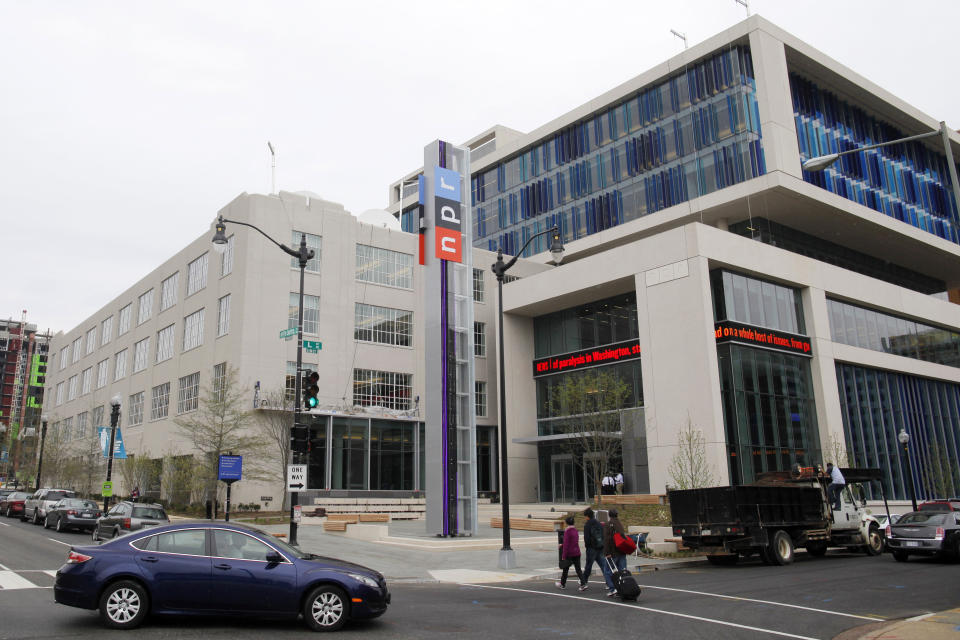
(723, 560)
(781, 548)
(874, 546)
(817, 549)
(900, 556)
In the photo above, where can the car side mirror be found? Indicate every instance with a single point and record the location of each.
(274, 558)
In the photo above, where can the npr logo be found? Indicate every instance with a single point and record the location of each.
(448, 221)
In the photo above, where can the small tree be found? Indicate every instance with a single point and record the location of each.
(940, 476)
(138, 472)
(689, 468)
(591, 402)
(274, 421)
(837, 452)
(221, 425)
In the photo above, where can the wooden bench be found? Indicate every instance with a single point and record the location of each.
(346, 518)
(335, 525)
(635, 498)
(374, 517)
(526, 524)
(678, 542)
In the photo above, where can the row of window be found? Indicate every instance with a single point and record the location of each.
(756, 302)
(169, 287)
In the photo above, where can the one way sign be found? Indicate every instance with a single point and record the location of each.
(296, 477)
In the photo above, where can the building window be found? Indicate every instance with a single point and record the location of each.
(64, 358)
(193, 330)
(290, 382)
(59, 393)
(197, 275)
(756, 302)
(98, 417)
(82, 424)
(479, 339)
(223, 316)
(165, 343)
(160, 401)
(91, 340)
(219, 381)
(313, 242)
(124, 323)
(106, 331)
(86, 381)
(311, 313)
(66, 428)
(136, 409)
(102, 367)
(391, 455)
(350, 453)
(168, 291)
(74, 384)
(226, 260)
(507, 278)
(145, 307)
(594, 324)
(382, 389)
(480, 398)
(383, 325)
(478, 285)
(382, 266)
(141, 352)
(77, 349)
(120, 365)
(189, 393)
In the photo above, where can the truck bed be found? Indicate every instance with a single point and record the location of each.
(748, 505)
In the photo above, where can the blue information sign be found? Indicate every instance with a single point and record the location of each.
(230, 468)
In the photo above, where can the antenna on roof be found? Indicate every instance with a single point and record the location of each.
(682, 36)
(273, 167)
(746, 5)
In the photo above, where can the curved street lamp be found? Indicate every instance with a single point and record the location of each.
(508, 559)
(904, 439)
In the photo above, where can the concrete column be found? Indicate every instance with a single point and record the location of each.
(823, 371)
(777, 127)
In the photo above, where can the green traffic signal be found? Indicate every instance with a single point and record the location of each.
(310, 389)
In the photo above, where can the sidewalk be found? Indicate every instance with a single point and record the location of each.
(935, 626)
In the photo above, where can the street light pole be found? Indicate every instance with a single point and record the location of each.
(904, 439)
(114, 421)
(508, 558)
(303, 255)
(43, 437)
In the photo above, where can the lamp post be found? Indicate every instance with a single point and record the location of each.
(303, 255)
(822, 162)
(44, 418)
(114, 421)
(904, 439)
(507, 557)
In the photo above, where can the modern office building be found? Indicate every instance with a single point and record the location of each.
(791, 317)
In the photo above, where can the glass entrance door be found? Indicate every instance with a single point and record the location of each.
(564, 479)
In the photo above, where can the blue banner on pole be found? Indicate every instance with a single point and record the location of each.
(230, 468)
(119, 452)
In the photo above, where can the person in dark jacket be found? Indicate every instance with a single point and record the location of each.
(610, 551)
(593, 543)
(570, 555)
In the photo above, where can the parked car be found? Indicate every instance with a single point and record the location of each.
(73, 513)
(35, 507)
(925, 533)
(940, 505)
(882, 519)
(12, 505)
(218, 568)
(127, 516)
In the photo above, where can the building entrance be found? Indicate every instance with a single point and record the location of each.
(564, 473)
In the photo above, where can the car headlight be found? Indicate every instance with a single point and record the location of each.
(362, 579)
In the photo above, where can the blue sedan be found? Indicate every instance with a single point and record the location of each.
(216, 568)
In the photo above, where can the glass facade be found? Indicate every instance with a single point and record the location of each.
(876, 405)
(757, 302)
(908, 181)
(591, 325)
(869, 329)
(691, 134)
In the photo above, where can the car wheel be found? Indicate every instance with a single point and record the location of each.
(96, 533)
(874, 545)
(36, 516)
(900, 556)
(8, 512)
(59, 525)
(817, 549)
(781, 548)
(325, 609)
(123, 605)
(46, 522)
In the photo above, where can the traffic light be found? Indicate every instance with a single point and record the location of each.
(309, 389)
(299, 438)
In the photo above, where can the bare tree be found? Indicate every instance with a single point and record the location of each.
(837, 452)
(590, 402)
(274, 419)
(222, 424)
(138, 472)
(940, 476)
(689, 468)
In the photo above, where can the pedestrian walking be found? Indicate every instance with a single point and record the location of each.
(593, 543)
(611, 552)
(570, 555)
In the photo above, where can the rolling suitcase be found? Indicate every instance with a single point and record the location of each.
(625, 584)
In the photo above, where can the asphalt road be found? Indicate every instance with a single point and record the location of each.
(815, 598)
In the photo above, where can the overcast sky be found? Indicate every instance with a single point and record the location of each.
(125, 126)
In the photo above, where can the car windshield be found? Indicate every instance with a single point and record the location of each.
(56, 495)
(153, 513)
(923, 518)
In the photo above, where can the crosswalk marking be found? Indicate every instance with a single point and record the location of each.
(13, 580)
(26, 579)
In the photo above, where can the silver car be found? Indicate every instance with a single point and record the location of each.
(128, 516)
(36, 506)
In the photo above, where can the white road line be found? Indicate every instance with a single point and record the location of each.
(3, 568)
(66, 544)
(651, 610)
(778, 604)
(10, 580)
(4, 524)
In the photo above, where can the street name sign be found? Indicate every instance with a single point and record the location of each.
(312, 345)
(296, 477)
(288, 333)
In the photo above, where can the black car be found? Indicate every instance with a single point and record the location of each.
(925, 533)
(72, 513)
(216, 568)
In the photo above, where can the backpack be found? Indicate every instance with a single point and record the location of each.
(596, 536)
